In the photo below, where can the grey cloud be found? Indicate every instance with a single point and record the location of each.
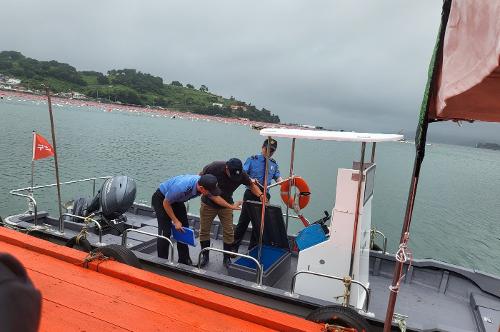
(358, 65)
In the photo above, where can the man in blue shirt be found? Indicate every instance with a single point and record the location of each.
(255, 166)
(168, 203)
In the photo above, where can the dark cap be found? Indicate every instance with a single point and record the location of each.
(209, 182)
(235, 168)
(272, 143)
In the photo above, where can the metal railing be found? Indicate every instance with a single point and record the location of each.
(31, 198)
(85, 220)
(259, 266)
(346, 280)
(130, 230)
(373, 233)
(30, 190)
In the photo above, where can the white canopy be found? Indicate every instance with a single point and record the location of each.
(341, 136)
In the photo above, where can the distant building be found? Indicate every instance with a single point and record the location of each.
(78, 95)
(238, 107)
(13, 81)
(218, 105)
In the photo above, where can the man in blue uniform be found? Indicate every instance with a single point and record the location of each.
(168, 203)
(255, 166)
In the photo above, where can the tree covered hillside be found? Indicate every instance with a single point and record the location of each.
(127, 86)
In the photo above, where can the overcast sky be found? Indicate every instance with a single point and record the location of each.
(352, 65)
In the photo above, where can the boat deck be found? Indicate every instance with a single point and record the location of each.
(110, 296)
(466, 300)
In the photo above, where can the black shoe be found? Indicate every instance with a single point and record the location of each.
(226, 262)
(227, 257)
(205, 258)
(186, 261)
(235, 247)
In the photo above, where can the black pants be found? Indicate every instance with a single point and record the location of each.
(245, 219)
(165, 226)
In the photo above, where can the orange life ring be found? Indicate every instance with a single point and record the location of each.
(304, 193)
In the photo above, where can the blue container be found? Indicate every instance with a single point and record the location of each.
(269, 256)
(310, 236)
(275, 262)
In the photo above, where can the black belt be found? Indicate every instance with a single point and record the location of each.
(159, 193)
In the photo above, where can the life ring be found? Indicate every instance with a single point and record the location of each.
(304, 193)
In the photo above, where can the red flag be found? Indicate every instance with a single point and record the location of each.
(41, 148)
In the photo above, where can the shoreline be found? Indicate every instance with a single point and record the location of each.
(112, 107)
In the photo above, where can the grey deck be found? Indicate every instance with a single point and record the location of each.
(435, 296)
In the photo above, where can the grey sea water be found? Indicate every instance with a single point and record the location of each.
(456, 216)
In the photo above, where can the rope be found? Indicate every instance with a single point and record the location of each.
(403, 255)
(337, 328)
(93, 256)
(401, 321)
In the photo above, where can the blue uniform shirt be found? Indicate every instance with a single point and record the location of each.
(180, 188)
(255, 166)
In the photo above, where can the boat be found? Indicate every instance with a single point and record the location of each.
(313, 282)
(257, 127)
(333, 272)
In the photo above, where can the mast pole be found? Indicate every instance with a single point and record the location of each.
(420, 139)
(290, 180)
(358, 201)
(53, 132)
(264, 200)
(33, 163)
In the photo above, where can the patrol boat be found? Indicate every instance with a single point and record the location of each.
(326, 273)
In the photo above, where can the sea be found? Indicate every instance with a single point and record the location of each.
(456, 217)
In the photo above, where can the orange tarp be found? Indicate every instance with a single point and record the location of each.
(109, 296)
(468, 82)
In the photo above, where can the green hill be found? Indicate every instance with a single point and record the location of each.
(127, 86)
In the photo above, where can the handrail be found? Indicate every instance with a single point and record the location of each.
(32, 199)
(55, 184)
(86, 224)
(130, 230)
(31, 189)
(259, 266)
(346, 280)
(374, 232)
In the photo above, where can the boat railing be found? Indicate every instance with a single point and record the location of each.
(259, 266)
(347, 284)
(373, 234)
(133, 230)
(28, 193)
(87, 221)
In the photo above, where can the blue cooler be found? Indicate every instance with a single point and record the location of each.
(275, 254)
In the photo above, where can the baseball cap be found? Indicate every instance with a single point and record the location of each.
(209, 182)
(273, 144)
(235, 168)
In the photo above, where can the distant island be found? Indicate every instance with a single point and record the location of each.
(122, 86)
(491, 146)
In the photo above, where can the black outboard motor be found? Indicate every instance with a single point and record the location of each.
(115, 197)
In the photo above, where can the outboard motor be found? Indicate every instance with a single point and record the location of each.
(115, 197)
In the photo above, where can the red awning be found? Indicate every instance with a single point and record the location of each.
(468, 80)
